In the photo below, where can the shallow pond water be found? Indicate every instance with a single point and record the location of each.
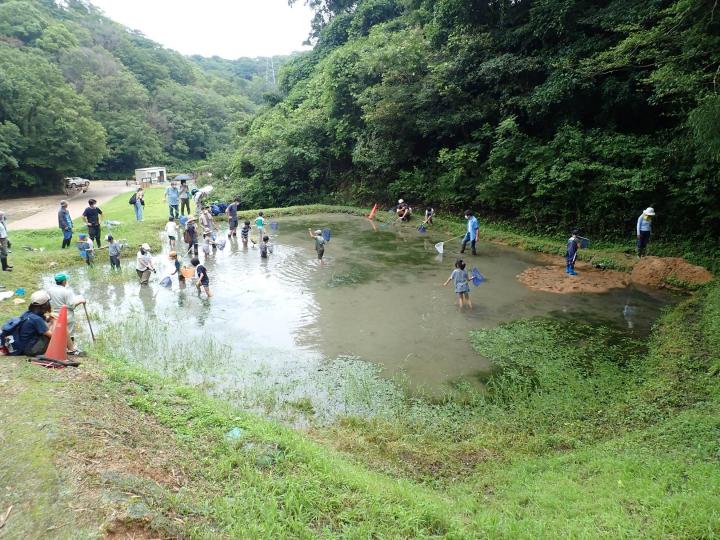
(289, 330)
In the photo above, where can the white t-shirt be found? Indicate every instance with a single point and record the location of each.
(171, 228)
(143, 261)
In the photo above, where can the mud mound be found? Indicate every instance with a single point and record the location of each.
(554, 279)
(654, 272)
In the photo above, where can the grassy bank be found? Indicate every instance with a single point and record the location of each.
(582, 432)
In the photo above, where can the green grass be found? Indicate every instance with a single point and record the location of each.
(579, 432)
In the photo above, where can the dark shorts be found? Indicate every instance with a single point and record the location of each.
(39, 347)
(205, 282)
(320, 253)
(233, 223)
(115, 261)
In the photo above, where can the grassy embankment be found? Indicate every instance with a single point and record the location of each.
(583, 433)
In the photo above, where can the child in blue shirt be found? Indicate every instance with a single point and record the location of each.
(462, 284)
(87, 251)
(473, 232)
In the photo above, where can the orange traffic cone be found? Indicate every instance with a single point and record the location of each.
(57, 349)
(373, 211)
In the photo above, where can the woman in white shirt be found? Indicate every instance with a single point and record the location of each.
(144, 264)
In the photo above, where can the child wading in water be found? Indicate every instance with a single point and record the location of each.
(171, 230)
(245, 233)
(87, 251)
(265, 247)
(260, 225)
(462, 285)
(176, 264)
(202, 276)
(114, 251)
(319, 243)
(573, 246)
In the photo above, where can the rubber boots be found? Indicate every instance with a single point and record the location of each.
(5, 266)
(567, 268)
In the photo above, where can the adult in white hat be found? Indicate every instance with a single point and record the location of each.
(643, 230)
(403, 210)
(33, 329)
(144, 264)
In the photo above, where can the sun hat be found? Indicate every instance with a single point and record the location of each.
(400, 201)
(60, 277)
(172, 254)
(145, 246)
(39, 298)
(649, 211)
(318, 231)
(190, 220)
(63, 203)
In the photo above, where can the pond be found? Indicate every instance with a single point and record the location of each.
(288, 331)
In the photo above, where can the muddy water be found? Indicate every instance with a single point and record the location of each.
(290, 330)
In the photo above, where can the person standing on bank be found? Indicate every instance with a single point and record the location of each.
(473, 232)
(65, 223)
(91, 215)
(138, 201)
(184, 198)
(643, 230)
(4, 243)
(172, 196)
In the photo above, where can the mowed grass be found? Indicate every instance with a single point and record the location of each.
(580, 433)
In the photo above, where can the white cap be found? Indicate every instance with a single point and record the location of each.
(39, 298)
(318, 232)
(649, 211)
(400, 201)
(146, 247)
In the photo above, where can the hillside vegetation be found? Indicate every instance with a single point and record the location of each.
(548, 112)
(82, 95)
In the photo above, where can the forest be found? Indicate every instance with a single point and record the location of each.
(547, 113)
(82, 95)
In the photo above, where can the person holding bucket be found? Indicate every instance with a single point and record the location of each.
(643, 230)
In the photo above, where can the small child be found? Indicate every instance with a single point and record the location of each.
(176, 263)
(319, 243)
(245, 233)
(171, 230)
(265, 247)
(573, 246)
(260, 225)
(114, 251)
(429, 213)
(202, 277)
(87, 251)
(462, 286)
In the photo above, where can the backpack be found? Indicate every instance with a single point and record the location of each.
(187, 237)
(133, 199)
(10, 335)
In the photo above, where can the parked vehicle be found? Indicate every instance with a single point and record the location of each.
(75, 183)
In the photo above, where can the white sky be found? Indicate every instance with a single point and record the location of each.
(226, 28)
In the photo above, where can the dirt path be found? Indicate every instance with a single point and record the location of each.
(41, 212)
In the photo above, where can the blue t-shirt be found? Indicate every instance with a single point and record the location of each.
(30, 331)
(472, 226)
(173, 195)
(572, 247)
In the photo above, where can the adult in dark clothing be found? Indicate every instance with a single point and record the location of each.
(65, 223)
(191, 235)
(35, 332)
(91, 215)
(184, 198)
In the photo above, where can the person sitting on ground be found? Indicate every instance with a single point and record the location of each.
(403, 210)
(473, 232)
(87, 250)
(65, 223)
(91, 216)
(37, 328)
(61, 295)
(4, 243)
(144, 264)
(319, 243)
(573, 246)
(643, 229)
(202, 276)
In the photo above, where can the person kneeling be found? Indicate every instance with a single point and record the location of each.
(31, 334)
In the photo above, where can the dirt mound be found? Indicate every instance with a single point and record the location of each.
(554, 279)
(655, 271)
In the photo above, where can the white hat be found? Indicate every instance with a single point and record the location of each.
(39, 298)
(649, 211)
(318, 232)
(400, 201)
(146, 247)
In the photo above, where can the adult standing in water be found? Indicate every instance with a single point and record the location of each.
(191, 235)
(184, 198)
(473, 232)
(4, 243)
(65, 223)
(144, 264)
(138, 201)
(172, 196)
(643, 230)
(91, 215)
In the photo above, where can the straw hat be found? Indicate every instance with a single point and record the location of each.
(649, 211)
(190, 220)
(39, 298)
(145, 246)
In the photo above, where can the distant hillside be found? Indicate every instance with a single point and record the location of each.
(83, 95)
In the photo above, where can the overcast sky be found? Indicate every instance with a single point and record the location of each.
(226, 28)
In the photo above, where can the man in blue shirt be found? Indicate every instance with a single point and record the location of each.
(643, 230)
(34, 335)
(172, 196)
(473, 232)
